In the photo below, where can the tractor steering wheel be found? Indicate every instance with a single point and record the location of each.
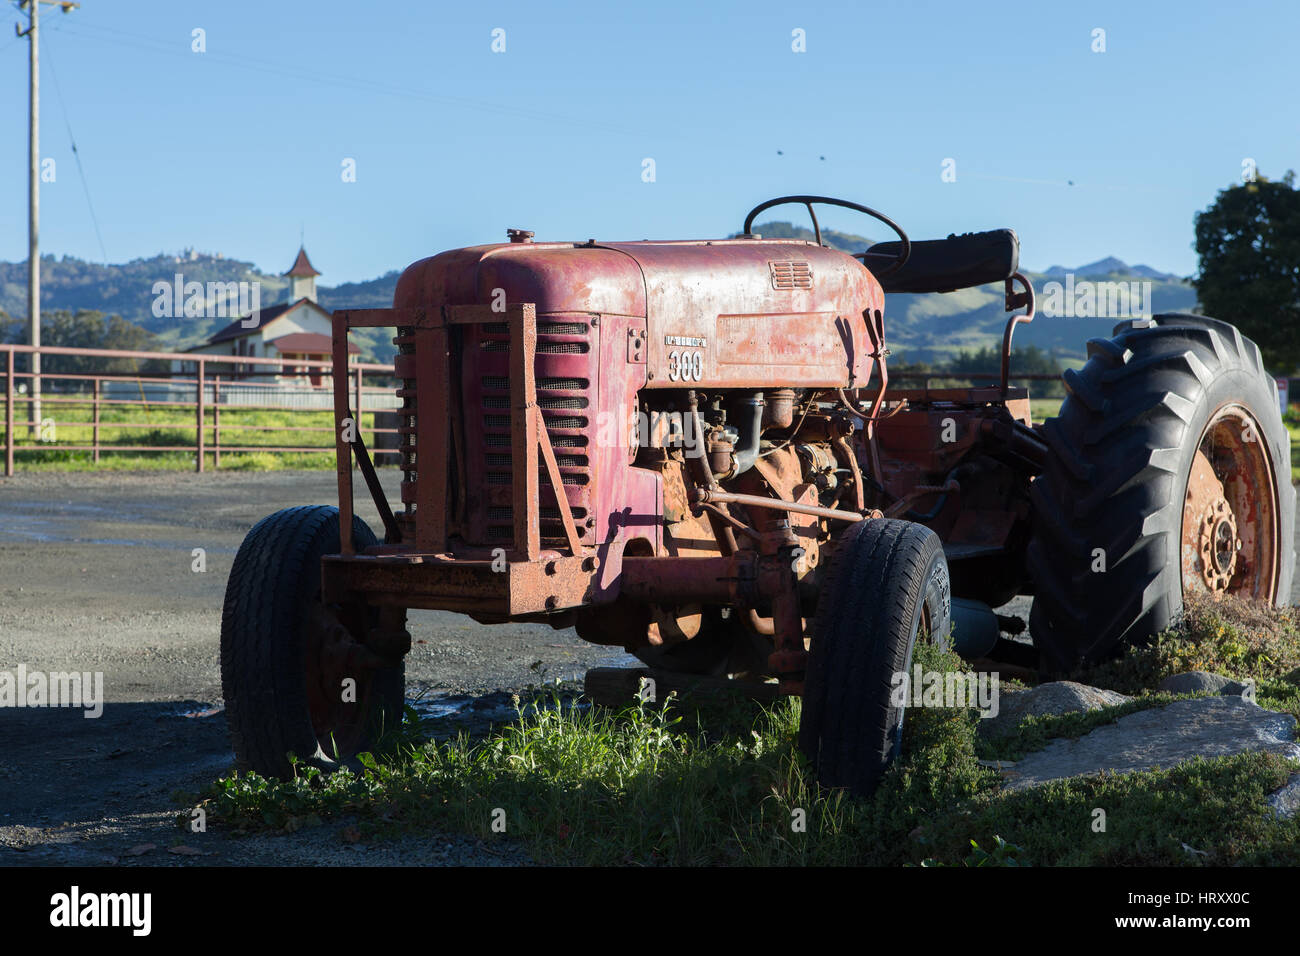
(895, 262)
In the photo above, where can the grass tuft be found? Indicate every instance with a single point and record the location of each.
(1242, 639)
(724, 784)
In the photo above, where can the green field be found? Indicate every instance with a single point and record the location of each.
(148, 425)
(1292, 421)
(1041, 409)
(172, 425)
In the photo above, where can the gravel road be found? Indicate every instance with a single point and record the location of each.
(97, 575)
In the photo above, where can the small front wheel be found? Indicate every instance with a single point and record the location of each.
(887, 583)
(296, 673)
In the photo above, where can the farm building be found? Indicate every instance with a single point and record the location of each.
(296, 329)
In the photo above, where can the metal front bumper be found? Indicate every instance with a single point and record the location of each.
(482, 587)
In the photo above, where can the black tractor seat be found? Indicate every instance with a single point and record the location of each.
(945, 265)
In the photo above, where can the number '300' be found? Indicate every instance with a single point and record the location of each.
(685, 365)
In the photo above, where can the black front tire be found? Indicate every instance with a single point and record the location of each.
(886, 579)
(270, 674)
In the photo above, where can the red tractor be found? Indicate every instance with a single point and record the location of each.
(692, 450)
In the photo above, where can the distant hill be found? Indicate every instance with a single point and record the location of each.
(934, 328)
(920, 328)
(843, 241)
(1110, 266)
(126, 289)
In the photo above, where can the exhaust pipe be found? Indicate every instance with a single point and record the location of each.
(751, 431)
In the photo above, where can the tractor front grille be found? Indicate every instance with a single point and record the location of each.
(565, 372)
(406, 391)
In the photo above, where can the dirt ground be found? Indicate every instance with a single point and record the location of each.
(96, 575)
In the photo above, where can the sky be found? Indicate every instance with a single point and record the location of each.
(243, 147)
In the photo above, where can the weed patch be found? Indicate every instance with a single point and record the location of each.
(718, 785)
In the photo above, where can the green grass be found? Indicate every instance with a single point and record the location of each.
(651, 785)
(1041, 409)
(1240, 639)
(1292, 422)
(155, 425)
(1236, 638)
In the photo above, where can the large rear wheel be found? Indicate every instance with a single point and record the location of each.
(1168, 476)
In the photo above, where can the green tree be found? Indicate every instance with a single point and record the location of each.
(1249, 245)
(986, 363)
(88, 329)
(12, 331)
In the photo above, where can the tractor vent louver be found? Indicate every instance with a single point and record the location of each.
(791, 274)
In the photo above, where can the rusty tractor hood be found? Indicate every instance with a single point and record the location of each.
(721, 276)
(756, 299)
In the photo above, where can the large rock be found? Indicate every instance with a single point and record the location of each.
(1202, 682)
(1286, 802)
(1051, 699)
(1161, 738)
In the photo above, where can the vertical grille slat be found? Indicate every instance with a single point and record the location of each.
(405, 342)
(565, 372)
(562, 397)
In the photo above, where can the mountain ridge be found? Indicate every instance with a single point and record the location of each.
(920, 327)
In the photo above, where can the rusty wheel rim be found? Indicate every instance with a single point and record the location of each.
(332, 655)
(1230, 526)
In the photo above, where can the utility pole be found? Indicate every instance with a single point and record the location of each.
(34, 196)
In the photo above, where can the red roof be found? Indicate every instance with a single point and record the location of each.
(237, 329)
(302, 267)
(310, 343)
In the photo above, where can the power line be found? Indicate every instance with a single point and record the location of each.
(169, 47)
(85, 185)
(18, 39)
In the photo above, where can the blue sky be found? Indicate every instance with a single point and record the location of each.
(235, 149)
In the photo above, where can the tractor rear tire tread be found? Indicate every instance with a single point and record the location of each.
(1115, 480)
